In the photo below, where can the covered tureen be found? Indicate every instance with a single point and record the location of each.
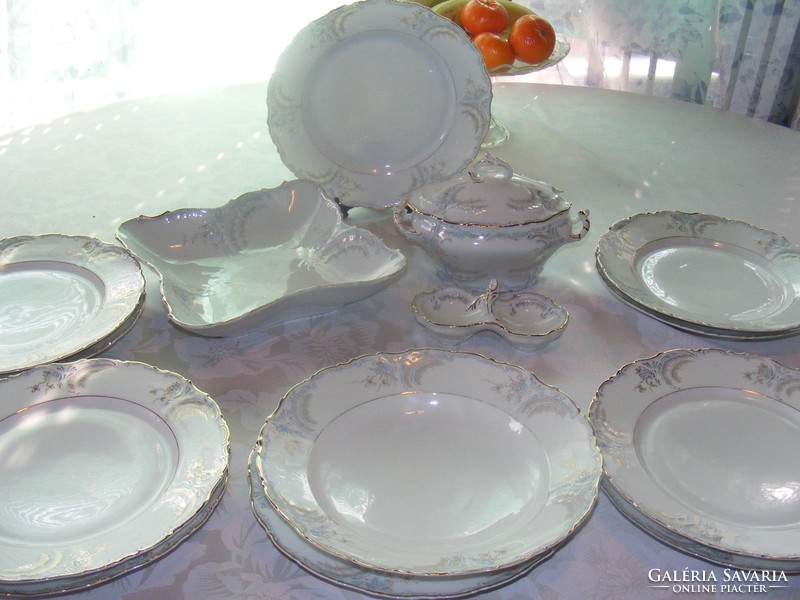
(489, 223)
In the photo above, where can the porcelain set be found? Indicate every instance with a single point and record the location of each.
(426, 473)
(329, 469)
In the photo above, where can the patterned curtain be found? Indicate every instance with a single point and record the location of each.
(740, 55)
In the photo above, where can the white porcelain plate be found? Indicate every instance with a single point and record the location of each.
(705, 443)
(266, 257)
(376, 98)
(690, 546)
(71, 584)
(429, 462)
(101, 461)
(376, 583)
(63, 295)
(705, 274)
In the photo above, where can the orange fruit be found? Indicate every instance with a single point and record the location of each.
(532, 39)
(479, 16)
(495, 50)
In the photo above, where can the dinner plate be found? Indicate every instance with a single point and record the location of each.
(705, 274)
(108, 341)
(712, 332)
(429, 462)
(61, 296)
(377, 98)
(102, 462)
(705, 444)
(692, 547)
(376, 583)
(264, 258)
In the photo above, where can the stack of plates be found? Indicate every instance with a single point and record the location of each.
(105, 467)
(700, 450)
(704, 274)
(64, 296)
(426, 473)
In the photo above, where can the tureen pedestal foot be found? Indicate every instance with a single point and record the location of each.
(497, 135)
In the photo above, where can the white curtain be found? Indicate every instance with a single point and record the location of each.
(62, 56)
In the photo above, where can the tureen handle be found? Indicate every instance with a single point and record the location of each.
(583, 218)
(491, 164)
(403, 222)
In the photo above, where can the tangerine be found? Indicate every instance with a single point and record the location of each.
(532, 39)
(495, 50)
(479, 16)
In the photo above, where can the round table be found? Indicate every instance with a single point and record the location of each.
(613, 153)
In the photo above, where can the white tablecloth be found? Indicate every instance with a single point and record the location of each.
(615, 154)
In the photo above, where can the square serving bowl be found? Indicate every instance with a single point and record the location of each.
(264, 258)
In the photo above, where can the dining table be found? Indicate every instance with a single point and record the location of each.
(611, 153)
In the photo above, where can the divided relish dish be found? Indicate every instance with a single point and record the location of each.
(525, 320)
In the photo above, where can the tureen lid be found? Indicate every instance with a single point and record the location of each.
(489, 194)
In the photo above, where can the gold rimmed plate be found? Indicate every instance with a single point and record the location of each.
(429, 463)
(105, 465)
(63, 296)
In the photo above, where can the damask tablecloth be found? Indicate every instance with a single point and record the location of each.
(612, 153)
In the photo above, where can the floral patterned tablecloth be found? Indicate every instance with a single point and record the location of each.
(612, 153)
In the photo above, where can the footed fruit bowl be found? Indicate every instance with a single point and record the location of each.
(512, 38)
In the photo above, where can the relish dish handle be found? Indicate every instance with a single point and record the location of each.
(487, 298)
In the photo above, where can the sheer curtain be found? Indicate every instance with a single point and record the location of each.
(58, 57)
